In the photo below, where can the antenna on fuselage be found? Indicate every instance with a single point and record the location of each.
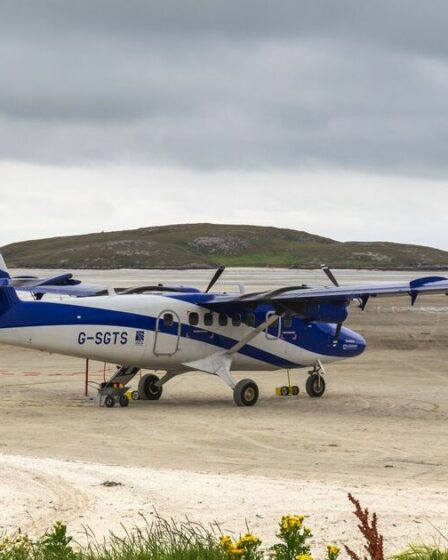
(215, 278)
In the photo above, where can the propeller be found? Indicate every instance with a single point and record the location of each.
(337, 334)
(333, 280)
(330, 275)
(215, 278)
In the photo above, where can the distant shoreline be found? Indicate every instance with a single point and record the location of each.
(252, 267)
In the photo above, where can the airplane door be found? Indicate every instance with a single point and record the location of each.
(274, 330)
(167, 333)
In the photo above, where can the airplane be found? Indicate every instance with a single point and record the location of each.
(176, 329)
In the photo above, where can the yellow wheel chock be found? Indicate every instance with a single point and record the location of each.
(287, 390)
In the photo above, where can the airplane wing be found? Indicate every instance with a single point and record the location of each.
(295, 297)
(63, 284)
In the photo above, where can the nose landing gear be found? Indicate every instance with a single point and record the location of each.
(315, 384)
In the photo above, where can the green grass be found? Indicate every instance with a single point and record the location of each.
(161, 540)
(423, 552)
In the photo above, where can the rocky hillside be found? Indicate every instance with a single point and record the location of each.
(206, 245)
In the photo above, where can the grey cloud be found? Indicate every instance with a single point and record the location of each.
(213, 85)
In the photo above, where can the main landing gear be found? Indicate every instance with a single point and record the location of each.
(149, 388)
(245, 393)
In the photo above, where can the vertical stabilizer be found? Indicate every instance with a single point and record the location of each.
(3, 268)
(8, 296)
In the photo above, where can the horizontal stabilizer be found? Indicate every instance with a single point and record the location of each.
(42, 286)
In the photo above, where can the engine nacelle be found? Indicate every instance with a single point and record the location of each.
(326, 312)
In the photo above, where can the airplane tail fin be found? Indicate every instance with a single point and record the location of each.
(8, 295)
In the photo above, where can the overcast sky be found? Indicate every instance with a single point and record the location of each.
(329, 116)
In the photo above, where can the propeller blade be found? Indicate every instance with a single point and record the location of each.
(337, 334)
(330, 275)
(215, 278)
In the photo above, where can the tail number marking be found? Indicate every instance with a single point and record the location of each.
(104, 338)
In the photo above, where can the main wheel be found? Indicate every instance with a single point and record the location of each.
(315, 385)
(109, 401)
(124, 400)
(245, 393)
(147, 388)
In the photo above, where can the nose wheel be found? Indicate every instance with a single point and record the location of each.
(315, 384)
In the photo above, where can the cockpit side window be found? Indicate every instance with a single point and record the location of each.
(250, 319)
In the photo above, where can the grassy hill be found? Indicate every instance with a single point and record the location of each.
(206, 245)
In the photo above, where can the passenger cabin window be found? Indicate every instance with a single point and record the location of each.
(223, 320)
(236, 319)
(250, 319)
(208, 319)
(193, 318)
(287, 322)
(168, 319)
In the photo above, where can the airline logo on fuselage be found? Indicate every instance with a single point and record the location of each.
(139, 337)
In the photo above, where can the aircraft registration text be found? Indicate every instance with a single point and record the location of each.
(104, 337)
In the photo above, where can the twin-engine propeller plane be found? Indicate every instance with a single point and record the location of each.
(176, 329)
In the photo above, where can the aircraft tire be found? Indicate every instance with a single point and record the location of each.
(147, 389)
(315, 385)
(245, 393)
(295, 390)
(109, 401)
(124, 401)
(284, 391)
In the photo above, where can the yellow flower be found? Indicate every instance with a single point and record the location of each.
(248, 541)
(333, 549)
(292, 522)
(236, 551)
(304, 557)
(226, 542)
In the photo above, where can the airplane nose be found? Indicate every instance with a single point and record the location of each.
(353, 344)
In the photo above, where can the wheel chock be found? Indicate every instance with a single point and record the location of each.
(285, 391)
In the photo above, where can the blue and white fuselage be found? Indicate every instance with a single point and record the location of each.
(165, 332)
